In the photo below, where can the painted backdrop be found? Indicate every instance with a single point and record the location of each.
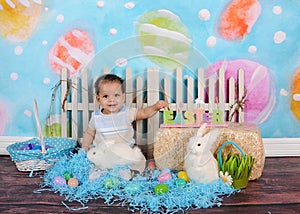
(39, 37)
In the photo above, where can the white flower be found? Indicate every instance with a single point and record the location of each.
(199, 101)
(226, 178)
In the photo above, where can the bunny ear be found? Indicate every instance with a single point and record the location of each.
(201, 130)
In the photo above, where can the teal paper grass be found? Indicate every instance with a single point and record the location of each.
(137, 194)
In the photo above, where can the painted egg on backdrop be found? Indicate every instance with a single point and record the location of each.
(238, 19)
(164, 38)
(295, 101)
(19, 19)
(72, 51)
(259, 87)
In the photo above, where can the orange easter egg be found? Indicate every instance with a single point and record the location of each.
(238, 19)
(295, 101)
(73, 182)
(19, 18)
(72, 51)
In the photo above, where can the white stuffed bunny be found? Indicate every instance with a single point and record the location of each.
(109, 154)
(199, 162)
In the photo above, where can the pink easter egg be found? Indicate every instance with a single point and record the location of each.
(259, 87)
(72, 51)
(164, 177)
(59, 181)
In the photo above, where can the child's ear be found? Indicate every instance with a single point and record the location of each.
(98, 99)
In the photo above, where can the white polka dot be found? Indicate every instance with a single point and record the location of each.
(47, 80)
(113, 31)
(283, 92)
(28, 113)
(45, 42)
(129, 5)
(211, 41)
(18, 50)
(121, 62)
(204, 14)
(60, 18)
(279, 37)
(252, 49)
(296, 97)
(46, 9)
(100, 4)
(14, 76)
(277, 10)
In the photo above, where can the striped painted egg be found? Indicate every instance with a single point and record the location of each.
(295, 101)
(19, 18)
(72, 51)
(164, 38)
(260, 96)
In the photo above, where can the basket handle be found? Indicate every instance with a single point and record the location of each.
(223, 145)
(37, 119)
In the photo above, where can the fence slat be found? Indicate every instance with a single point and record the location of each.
(231, 95)
(74, 113)
(85, 100)
(64, 121)
(139, 104)
(241, 94)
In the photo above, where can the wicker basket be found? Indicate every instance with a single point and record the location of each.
(35, 159)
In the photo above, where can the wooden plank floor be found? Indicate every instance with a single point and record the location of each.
(277, 191)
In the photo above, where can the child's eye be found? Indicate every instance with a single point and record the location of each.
(105, 96)
(117, 95)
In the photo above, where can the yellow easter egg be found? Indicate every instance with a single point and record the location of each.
(183, 175)
(19, 18)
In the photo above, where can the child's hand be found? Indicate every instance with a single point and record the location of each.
(162, 104)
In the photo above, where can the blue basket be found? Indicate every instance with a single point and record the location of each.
(34, 159)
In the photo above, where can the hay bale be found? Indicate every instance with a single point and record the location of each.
(170, 145)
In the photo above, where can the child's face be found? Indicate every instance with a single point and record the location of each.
(110, 97)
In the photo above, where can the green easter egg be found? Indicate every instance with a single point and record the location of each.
(180, 182)
(161, 189)
(67, 176)
(164, 38)
(111, 183)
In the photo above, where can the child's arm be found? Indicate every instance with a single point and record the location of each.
(149, 111)
(88, 138)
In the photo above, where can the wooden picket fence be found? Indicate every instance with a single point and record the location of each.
(79, 100)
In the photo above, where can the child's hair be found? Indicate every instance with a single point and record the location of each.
(108, 78)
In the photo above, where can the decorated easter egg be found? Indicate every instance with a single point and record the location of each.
(73, 182)
(238, 19)
(151, 165)
(67, 176)
(18, 19)
(260, 98)
(59, 181)
(72, 51)
(183, 175)
(111, 183)
(132, 188)
(164, 177)
(180, 182)
(164, 38)
(161, 189)
(4, 117)
(295, 101)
